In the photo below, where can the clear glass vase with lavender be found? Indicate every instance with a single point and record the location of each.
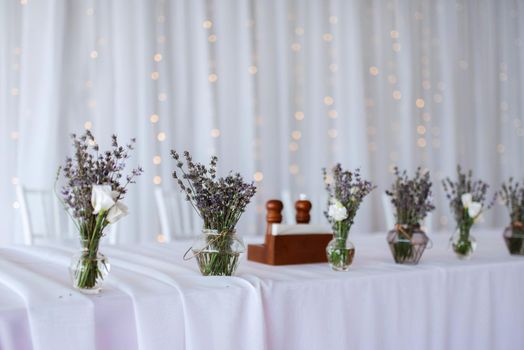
(411, 198)
(512, 195)
(346, 191)
(92, 194)
(467, 197)
(220, 202)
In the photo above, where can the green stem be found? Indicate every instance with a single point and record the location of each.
(218, 259)
(88, 271)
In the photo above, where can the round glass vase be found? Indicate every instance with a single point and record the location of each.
(408, 245)
(218, 254)
(463, 244)
(340, 253)
(89, 268)
(514, 238)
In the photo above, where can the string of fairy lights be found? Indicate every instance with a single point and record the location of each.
(94, 51)
(427, 97)
(159, 86)
(331, 73)
(16, 58)
(297, 83)
(252, 70)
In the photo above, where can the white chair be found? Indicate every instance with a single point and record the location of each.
(40, 214)
(390, 216)
(388, 211)
(178, 219)
(43, 218)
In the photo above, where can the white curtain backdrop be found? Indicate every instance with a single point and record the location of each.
(277, 89)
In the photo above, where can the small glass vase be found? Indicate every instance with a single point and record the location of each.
(218, 254)
(340, 253)
(463, 244)
(88, 270)
(514, 238)
(407, 247)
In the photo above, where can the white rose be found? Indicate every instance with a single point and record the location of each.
(101, 198)
(117, 212)
(474, 209)
(337, 211)
(467, 199)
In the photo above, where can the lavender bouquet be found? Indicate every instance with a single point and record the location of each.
(411, 198)
(220, 202)
(92, 195)
(512, 195)
(346, 192)
(466, 201)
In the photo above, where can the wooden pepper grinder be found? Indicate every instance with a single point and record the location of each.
(302, 207)
(274, 213)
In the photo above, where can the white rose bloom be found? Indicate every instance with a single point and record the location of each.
(474, 209)
(337, 211)
(117, 212)
(101, 198)
(467, 199)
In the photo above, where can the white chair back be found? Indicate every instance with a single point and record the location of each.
(40, 211)
(319, 202)
(389, 213)
(289, 207)
(44, 218)
(178, 219)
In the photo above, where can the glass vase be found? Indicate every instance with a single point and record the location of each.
(463, 244)
(407, 246)
(218, 254)
(340, 253)
(89, 268)
(514, 238)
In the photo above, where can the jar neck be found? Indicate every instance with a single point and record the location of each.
(211, 232)
(408, 227)
(341, 230)
(464, 231)
(88, 245)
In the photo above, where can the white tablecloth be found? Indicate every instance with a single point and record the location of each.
(155, 300)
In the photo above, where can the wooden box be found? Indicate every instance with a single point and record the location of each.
(287, 249)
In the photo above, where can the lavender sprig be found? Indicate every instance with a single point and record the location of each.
(411, 197)
(512, 195)
(464, 185)
(220, 202)
(349, 189)
(89, 167)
